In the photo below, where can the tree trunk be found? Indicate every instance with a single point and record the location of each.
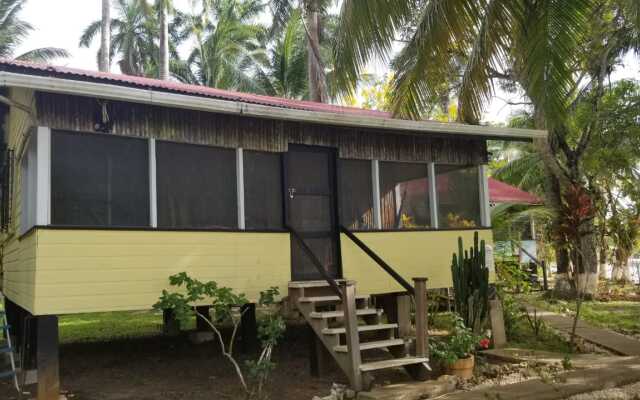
(317, 85)
(164, 45)
(587, 268)
(104, 58)
(602, 259)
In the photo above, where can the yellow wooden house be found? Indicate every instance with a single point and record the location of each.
(112, 183)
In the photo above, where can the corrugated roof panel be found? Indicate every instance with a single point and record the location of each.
(194, 90)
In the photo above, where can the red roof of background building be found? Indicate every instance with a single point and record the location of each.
(500, 192)
(181, 88)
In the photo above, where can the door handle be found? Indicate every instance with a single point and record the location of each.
(292, 192)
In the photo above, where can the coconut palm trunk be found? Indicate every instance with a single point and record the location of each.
(164, 41)
(104, 61)
(317, 86)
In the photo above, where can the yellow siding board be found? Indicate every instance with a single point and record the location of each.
(19, 270)
(411, 254)
(92, 270)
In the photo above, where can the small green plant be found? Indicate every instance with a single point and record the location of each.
(462, 343)
(227, 307)
(536, 324)
(470, 277)
(566, 362)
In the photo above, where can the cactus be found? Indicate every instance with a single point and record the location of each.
(470, 277)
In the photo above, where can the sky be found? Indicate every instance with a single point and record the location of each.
(76, 15)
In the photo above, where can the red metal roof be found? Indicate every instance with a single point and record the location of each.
(500, 192)
(177, 87)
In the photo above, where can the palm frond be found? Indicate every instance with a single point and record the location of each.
(548, 40)
(489, 52)
(89, 33)
(44, 55)
(366, 30)
(427, 58)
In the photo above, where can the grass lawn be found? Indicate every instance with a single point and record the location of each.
(99, 327)
(620, 316)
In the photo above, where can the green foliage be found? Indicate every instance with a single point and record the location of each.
(566, 362)
(511, 314)
(14, 31)
(223, 300)
(471, 284)
(271, 325)
(460, 344)
(511, 276)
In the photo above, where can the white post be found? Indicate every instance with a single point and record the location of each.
(43, 176)
(485, 211)
(433, 194)
(153, 185)
(240, 186)
(375, 180)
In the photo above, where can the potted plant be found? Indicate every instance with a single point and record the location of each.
(455, 353)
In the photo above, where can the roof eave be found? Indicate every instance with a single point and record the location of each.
(153, 97)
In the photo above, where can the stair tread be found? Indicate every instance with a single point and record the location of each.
(340, 314)
(361, 328)
(310, 284)
(321, 299)
(7, 374)
(378, 344)
(392, 363)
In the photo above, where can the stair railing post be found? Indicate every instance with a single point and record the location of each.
(351, 329)
(422, 338)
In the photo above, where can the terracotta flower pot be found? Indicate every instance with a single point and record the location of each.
(462, 368)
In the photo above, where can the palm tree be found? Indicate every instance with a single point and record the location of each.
(132, 37)
(286, 74)
(313, 15)
(229, 45)
(13, 31)
(551, 49)
(105, 37)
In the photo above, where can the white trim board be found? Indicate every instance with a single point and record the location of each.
(192, 102)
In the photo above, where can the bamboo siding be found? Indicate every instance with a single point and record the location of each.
(189, 126)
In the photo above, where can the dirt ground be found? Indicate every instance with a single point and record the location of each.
(173, 368)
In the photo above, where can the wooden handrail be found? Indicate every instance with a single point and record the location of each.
(314, 260)
(386, 267)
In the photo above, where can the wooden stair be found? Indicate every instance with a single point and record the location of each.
(324, 312)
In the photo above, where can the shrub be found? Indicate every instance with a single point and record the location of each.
(226, 306)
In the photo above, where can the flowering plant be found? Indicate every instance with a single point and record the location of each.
(461, 344)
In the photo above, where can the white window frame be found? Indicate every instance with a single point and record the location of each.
(35, 181)
(485, 209)
(240, 188)
(153, 185)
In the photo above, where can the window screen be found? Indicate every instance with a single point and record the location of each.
(404, 195)
(262, 190)
(196, 186)
(356, 194)
(99, 180)
(458, 196)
